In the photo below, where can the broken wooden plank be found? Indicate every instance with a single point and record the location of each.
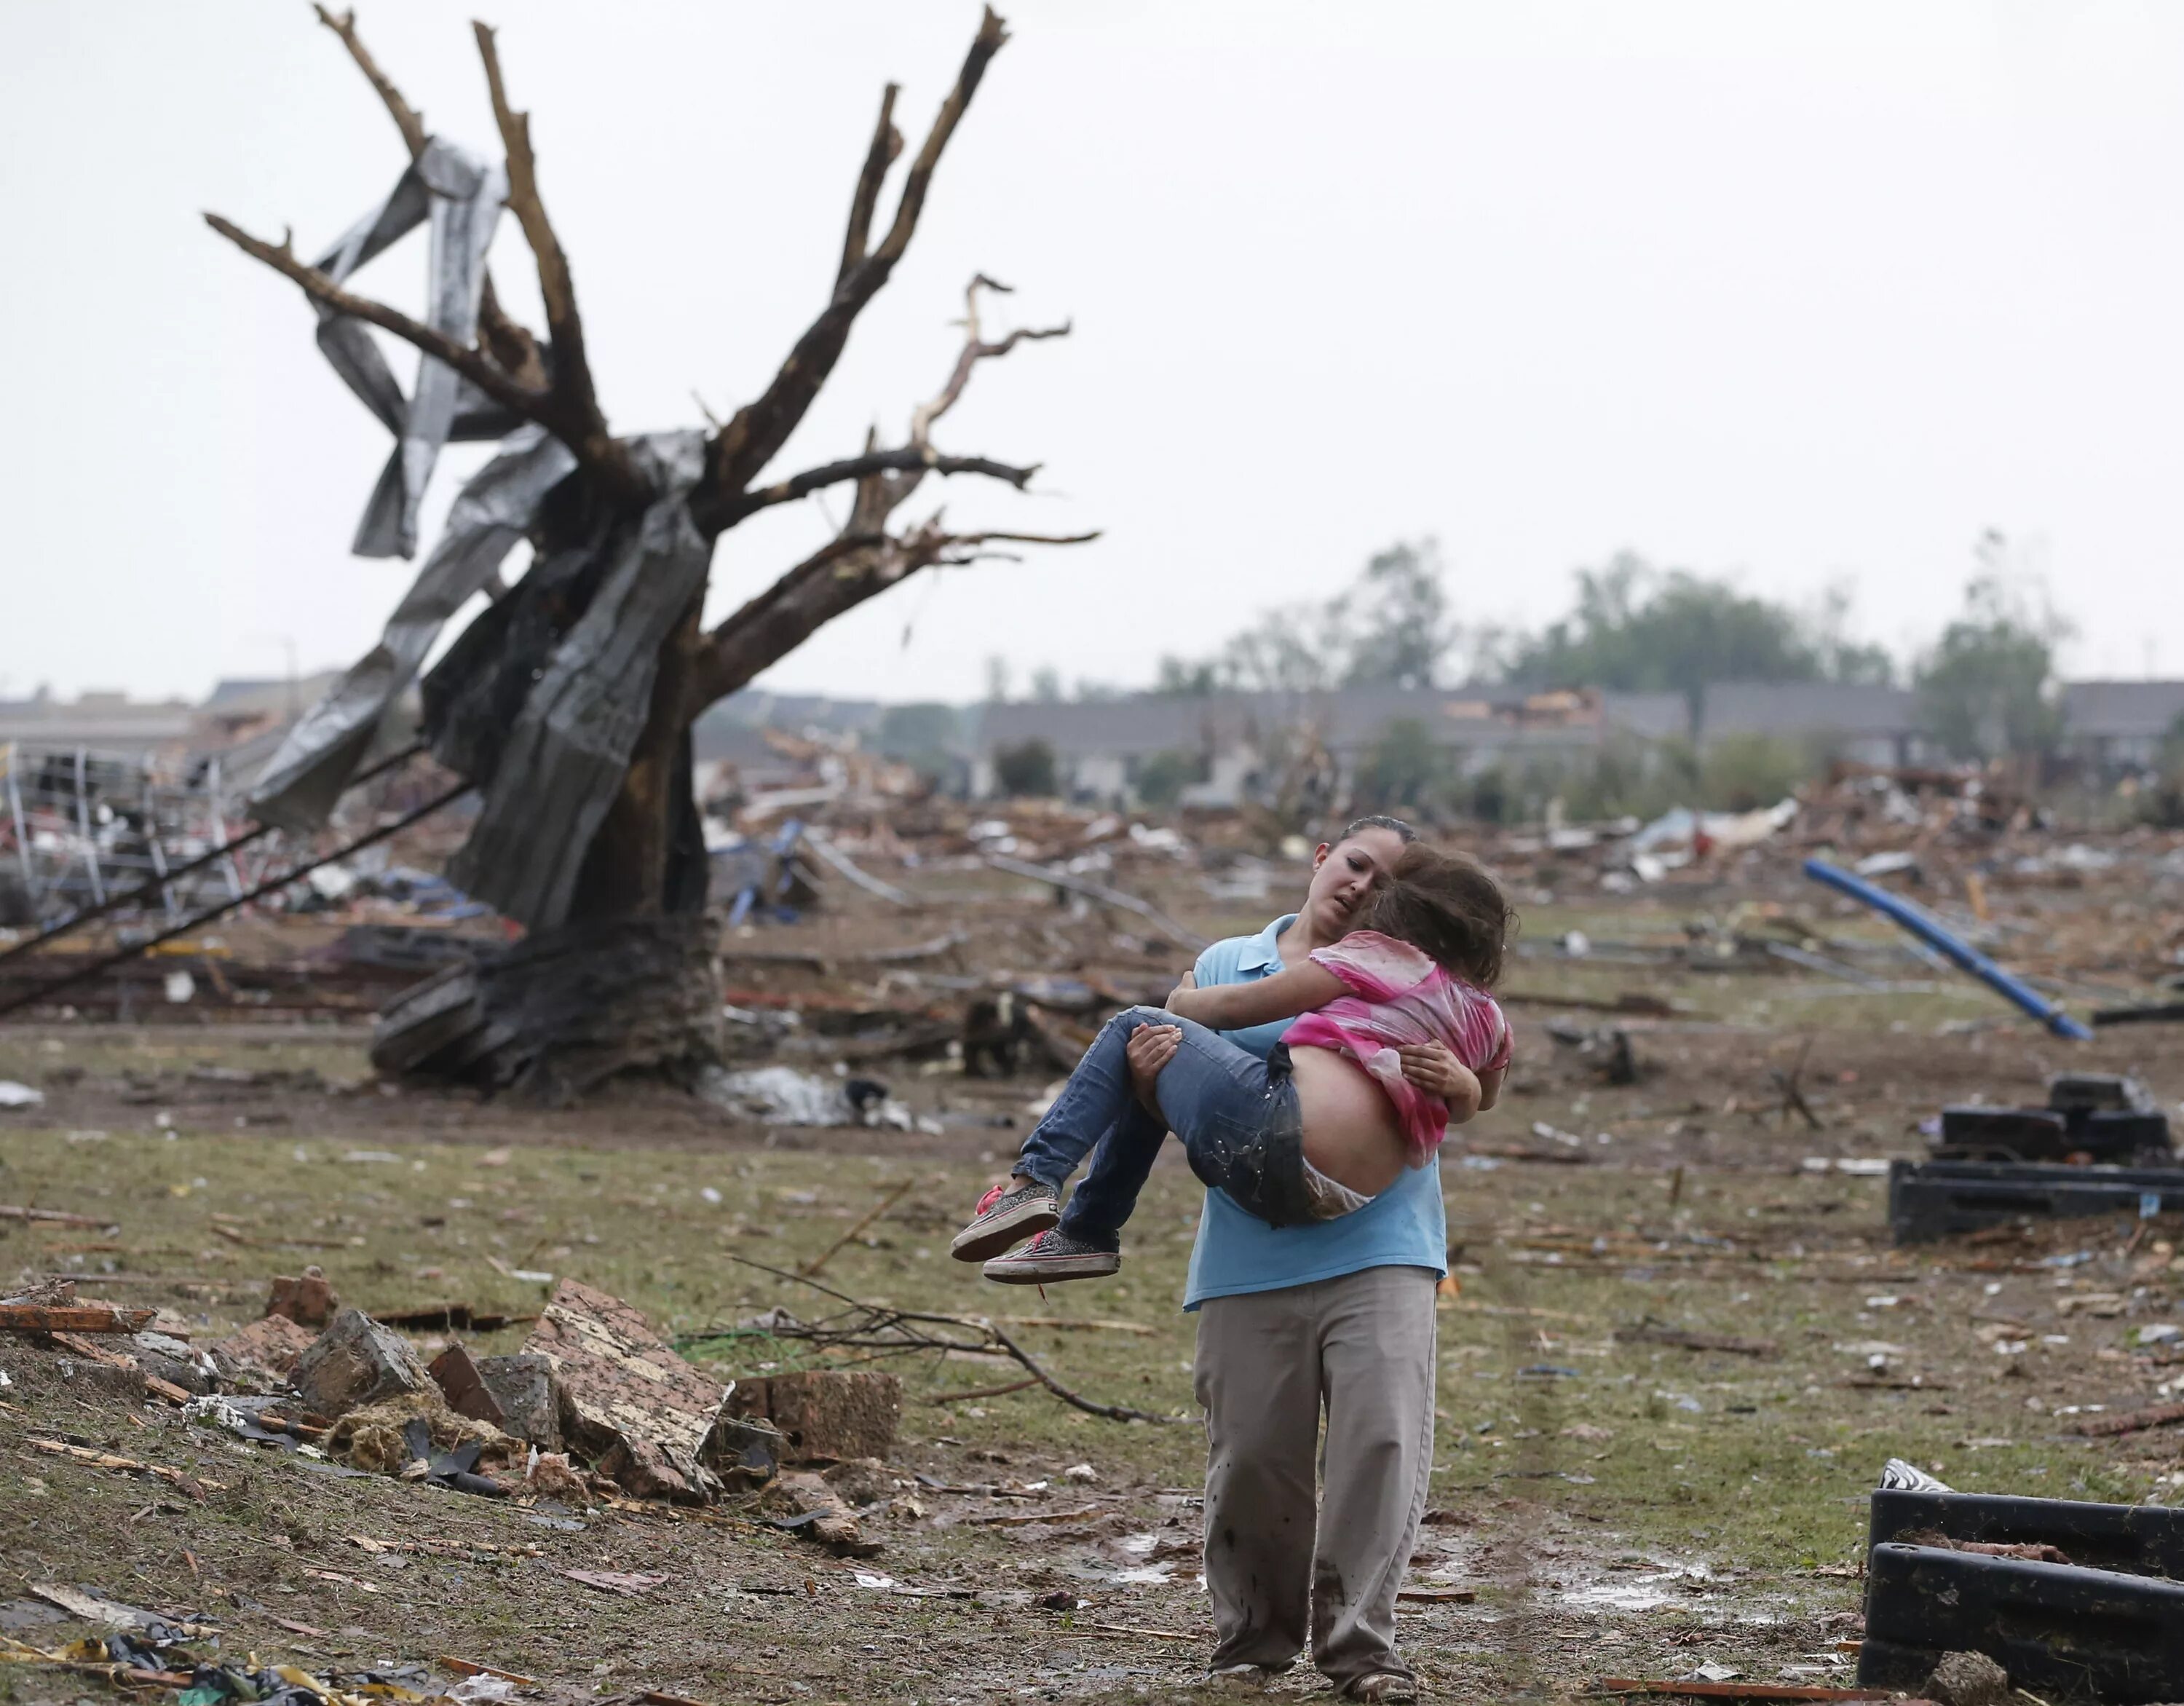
(2131, 1421)
(1654, 1334)
(72, 1317)
(50, 1217)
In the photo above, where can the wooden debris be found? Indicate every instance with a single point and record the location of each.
(94, 1608)
(1068, 1323)
(1437, 1595)
(464, 1667)
(2131, 1421)
(1022, 1519)
(617, 1581)
(72, 1317)
(857, 1231)
(1652, 1333)
(174, 1477)
(1105, 896)
(50, 1217)
(1023, 1385)
(1738, 1690)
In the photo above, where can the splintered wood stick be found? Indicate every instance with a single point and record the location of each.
(50, 1217)
(828, 1254)
(983, 1392)
(1088, 1323)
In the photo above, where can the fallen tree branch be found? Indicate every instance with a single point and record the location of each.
(964, 1397)
(882, 1326)
(879, 1209)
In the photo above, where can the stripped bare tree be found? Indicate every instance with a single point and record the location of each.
(568, 702)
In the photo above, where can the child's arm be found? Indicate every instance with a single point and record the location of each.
(1490, 1086)
(1238, 1006)
(1435, 1068)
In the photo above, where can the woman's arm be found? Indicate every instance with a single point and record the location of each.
(1238, 1006)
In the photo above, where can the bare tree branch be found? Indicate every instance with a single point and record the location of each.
(841, 575)
(887, 144)
(975, 350)
(910, 457)
(406, 119)
(532, 405)
(571, 379)
(757, 431)
(510, 342)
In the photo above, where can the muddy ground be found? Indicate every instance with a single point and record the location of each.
(1622, 1506)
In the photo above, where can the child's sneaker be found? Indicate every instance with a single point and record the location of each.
(1004, 1215)
(1053, 1256)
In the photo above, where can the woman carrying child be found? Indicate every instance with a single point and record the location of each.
(1323, 1233)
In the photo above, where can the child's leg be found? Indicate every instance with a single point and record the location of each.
(1121, 1163)
(1093, 1101)
(1091, 1104)
(1239, 1124)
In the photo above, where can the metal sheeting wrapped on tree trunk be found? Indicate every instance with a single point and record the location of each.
(565, 757)
(298, 787)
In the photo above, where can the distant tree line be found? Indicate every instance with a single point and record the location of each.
(1986, 687)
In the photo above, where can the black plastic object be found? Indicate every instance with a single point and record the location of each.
(2142, 1539)
(2076, 1091)
(2119, 1136)
(2064, 1633)
(1933, 1199)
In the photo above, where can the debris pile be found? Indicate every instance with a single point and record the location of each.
(595, 1405)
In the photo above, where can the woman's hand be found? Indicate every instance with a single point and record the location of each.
(1150, 1047)
(1433, 1069)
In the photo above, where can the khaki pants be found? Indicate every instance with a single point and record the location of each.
(1362, 1347)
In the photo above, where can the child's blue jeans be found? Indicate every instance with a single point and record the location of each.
(1236, 1114)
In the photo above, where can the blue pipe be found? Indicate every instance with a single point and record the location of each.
(1929, 930)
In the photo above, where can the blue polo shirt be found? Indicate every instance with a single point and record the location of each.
(1405, 1226)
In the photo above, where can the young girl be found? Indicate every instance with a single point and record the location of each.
(1327, 1121)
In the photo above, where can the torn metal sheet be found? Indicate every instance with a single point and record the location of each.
(570, 747)
(300, 785)
(462, 196)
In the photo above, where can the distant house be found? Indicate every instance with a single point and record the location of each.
(1868, 725)
(2120, 725)
(98, 721)
(1102, 747)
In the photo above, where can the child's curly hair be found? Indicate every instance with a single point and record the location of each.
(1446, 906)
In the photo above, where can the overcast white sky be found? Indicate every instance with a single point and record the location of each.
(1787, 292)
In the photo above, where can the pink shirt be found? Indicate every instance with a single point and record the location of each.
(1400, 996)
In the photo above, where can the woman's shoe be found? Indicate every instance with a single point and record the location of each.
(1382, 1686)
(1053, 1256)
(1004, 1215)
